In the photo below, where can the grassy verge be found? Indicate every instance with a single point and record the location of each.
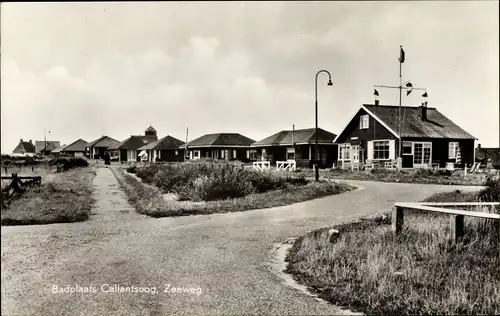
(403, 176)
(151, 201)
(65, 197)
(366, 268)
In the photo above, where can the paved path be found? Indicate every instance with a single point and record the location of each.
(221, 254)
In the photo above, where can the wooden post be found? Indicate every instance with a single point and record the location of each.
(397, 220)
(457, 228)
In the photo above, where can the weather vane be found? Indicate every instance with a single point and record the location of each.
(407, 85)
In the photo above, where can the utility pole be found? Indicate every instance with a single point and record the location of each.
(186, 147)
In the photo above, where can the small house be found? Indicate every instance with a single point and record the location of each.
(128, 150)
(97, 148)
(428, 138)
(227, 146)
(488, 157)
(298, 145)
(43, 147)
(76, 148)
(24, 149)
(58, 150)
(164, 149)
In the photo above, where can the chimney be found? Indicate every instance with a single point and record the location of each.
(423, 114)
(479, 146)
(31, 141)
(293, 135)
(21, 140)
(376, 102)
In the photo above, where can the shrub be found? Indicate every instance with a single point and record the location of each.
(68, 163)
(132, 169)
(491, 192)
(203, 181)
(224, 184)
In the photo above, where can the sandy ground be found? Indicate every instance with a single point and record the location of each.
(222, 258)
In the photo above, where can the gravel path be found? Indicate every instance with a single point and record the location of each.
(222, 257)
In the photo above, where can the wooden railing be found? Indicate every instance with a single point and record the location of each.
(262, 165)
(19, 186)
(289, 165)
(457, 223)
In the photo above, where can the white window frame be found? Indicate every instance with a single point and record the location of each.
(452, 149)
(343, 149)
(424, 145)
(388, 150)
(411, 146)
(364, 121)
(196, 154)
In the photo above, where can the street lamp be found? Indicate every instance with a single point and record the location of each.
(330, 83)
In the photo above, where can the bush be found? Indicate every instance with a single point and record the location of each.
(203, 181)
(132, 169)
(220, 185)
(491, 192)
(68, 163)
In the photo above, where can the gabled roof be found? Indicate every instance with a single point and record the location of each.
(167, 142)
(134, 142)
(150, 129)
(220, 140)
(51, 145)
(435, 126)
(299, 136)
(104, 142)
(24, 147)
(79, 145)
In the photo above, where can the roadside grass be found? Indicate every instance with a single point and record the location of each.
(62, 198)
(423, 176)
(150, 200)
(367, 268)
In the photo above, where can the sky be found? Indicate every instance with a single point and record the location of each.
(82, 70)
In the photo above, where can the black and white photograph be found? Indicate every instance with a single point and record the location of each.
(250, 158)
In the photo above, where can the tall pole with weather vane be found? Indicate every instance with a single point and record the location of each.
(409, 88)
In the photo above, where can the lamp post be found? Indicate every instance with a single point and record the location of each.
(330, 83)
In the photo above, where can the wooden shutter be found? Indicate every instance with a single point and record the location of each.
(369, 155)
(392, 149)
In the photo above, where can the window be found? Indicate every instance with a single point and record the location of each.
(290, 153)
(196, 154)
(345, 152)
(452, 150)
(407, 148)
(364, 121)
(381, 149)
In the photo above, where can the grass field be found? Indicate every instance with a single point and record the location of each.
(404, 176)
(62, 197)
(369, 269)
(150, 200)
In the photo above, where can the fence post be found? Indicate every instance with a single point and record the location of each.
(457, 228)
(397, 219)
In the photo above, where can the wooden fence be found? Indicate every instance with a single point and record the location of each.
(457, 219)
(17, 185)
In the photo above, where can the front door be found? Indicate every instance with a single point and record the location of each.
(422, 154)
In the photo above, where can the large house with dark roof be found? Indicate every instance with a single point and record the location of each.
(24, 149)
(164, 149)
(298, 145)
(228, 146)
(128, 150)
(428, 138)
(97, 148)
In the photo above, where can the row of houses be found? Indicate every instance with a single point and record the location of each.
(372, 136)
